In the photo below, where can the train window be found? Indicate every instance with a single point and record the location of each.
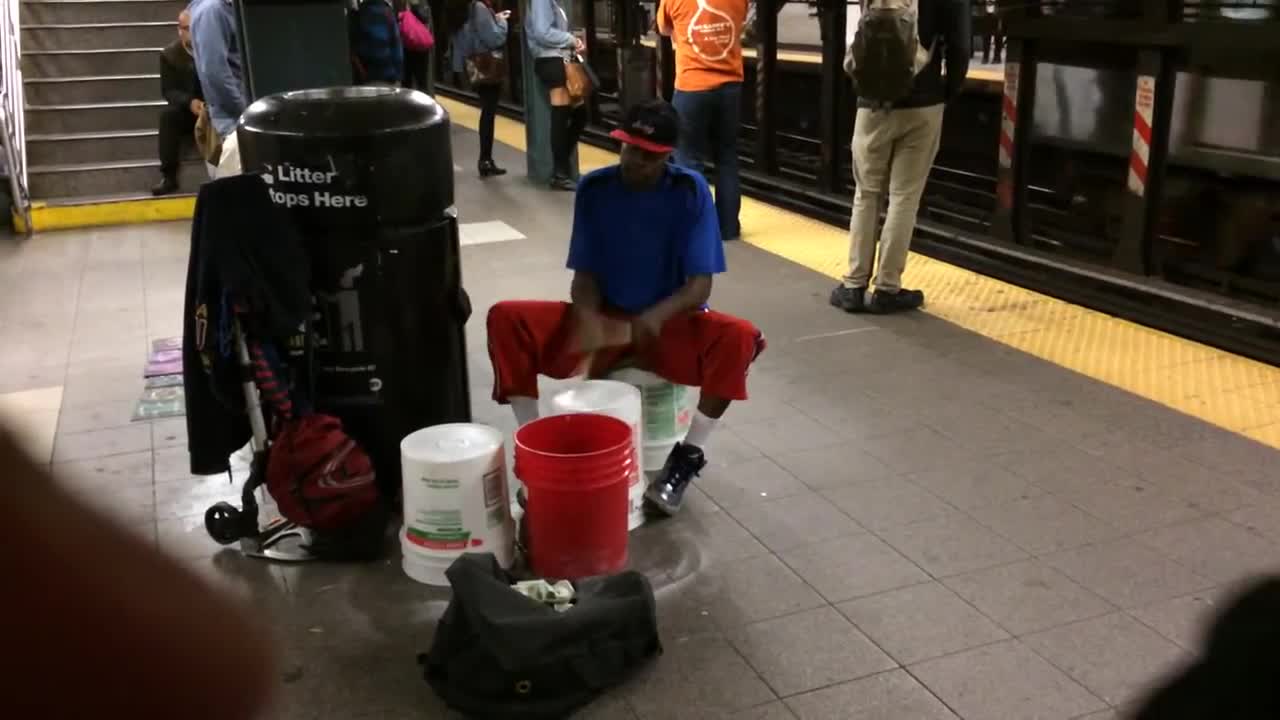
(1239, 10)
(1219, 225)
(1079, 159)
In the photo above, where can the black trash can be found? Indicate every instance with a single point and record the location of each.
(367, 174)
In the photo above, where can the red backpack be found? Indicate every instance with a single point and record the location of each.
(320, 478)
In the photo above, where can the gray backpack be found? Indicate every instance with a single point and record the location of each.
(886, 54)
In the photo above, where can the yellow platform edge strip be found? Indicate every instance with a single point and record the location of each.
(1226, 390)
(46, 218)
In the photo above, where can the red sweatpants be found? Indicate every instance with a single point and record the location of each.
(708, 349)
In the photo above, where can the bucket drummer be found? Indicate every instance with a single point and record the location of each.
(645, 245)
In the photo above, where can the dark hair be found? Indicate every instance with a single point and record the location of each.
(456, 14)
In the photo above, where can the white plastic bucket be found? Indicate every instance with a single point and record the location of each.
(455, 499)
(615, 399)
(667, 413)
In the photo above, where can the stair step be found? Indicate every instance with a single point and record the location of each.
(115, 197)
(49, 182)
(95, 36)
(81, 63)
(91, 89)
(56, 12)
(94, 117)
(97, 147)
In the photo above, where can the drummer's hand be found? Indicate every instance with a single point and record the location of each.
(645, 329)
(589, 326)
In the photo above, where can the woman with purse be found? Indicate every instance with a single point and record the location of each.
(553, 46)
(479, 41)
(415, 32)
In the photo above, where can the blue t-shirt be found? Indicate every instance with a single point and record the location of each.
(643, 245)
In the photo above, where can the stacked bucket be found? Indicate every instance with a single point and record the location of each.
(582, 465)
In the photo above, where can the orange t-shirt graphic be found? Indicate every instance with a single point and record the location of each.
(707, 37)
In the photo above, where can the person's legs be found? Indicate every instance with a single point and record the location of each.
(728, 116)
(694, 109)
(528, 338)
(872, 153)
(550, 71)
(175, 124)
(919, 133)
(713, 351)
(488, 112)
(415, 69)
(577, 123)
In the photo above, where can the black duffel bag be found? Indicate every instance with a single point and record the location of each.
(499, 655)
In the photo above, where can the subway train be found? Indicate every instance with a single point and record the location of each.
(1214, 240)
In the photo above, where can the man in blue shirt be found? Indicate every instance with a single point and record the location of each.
(216, 46)
(646, 242)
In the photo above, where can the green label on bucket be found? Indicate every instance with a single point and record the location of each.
(661, 402)
(439, 540)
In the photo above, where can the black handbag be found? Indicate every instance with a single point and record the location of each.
(500, 655)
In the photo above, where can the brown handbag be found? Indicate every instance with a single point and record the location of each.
(208, 142)
(577, 80)
(487, 68)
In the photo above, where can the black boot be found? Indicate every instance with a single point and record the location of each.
(666, 494)
(883, 302)
(489, 168)
(168, 184)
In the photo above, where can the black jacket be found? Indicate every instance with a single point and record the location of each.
(245, 254)
(949, 23)
(178, 81)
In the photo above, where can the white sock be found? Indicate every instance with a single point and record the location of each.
(700, 429)
(525, 409)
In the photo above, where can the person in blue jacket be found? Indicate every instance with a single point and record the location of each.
(551, 43)
(480, 32)
(216, 47)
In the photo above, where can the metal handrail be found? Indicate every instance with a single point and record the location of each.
(12, 116)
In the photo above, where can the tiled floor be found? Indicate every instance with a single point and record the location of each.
(906, 521)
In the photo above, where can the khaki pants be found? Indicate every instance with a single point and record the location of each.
(892, 151)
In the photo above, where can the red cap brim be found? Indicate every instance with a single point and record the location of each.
(642, 143)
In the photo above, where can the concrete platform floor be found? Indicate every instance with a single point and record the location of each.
(906, 521)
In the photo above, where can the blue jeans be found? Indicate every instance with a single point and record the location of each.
(709, 122)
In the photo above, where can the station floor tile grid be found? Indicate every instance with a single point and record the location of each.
(907, 520)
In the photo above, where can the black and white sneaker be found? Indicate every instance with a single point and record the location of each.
(883, 302)
(850, 300)
(666, 494)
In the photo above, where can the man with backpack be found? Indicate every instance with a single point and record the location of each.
(896, 61)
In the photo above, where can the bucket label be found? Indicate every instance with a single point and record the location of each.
(454, 514)
(664, 413)
(457, 540)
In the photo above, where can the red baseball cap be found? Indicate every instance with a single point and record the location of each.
(652, 126)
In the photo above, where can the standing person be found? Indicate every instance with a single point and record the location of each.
(896, 136)
(552, 44)
(644, 248)
(417, 63)
(216, 46)
(707, 38)
(478, 33)
(181, 90)
(376, 48)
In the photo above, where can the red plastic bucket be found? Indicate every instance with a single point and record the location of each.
(576, 469)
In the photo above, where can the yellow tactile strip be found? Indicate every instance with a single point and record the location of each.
(1229, 391)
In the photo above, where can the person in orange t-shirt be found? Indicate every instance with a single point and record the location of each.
(707, 35)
